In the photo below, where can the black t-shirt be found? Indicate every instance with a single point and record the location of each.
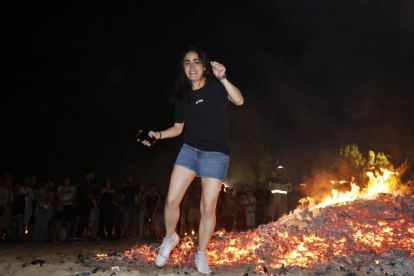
(151, 201)
(205, 116)
(129, 192)
(18, 205)
(107, 202)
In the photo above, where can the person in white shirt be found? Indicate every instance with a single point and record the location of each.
(66, 194)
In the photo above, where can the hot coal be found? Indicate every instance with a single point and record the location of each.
(371, 236)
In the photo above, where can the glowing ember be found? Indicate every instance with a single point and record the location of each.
(101, 256)
(376, 223)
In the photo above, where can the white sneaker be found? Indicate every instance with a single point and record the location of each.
(165, 249)
(202, 265)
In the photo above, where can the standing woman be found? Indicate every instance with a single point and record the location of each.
(201, 96)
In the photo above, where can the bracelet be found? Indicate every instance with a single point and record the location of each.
(222, 77)
(160, 134)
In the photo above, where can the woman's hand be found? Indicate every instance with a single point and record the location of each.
(218, 69)
(156, 135)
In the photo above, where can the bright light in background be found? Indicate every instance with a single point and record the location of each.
(279, 192)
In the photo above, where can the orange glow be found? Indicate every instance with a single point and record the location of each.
(101, 256)
(369, 221)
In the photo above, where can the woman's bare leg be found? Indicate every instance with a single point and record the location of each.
(209, 196)
(180, 180)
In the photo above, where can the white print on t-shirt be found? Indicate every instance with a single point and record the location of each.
(199, 101)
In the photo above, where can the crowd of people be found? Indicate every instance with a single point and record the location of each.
(30, 211)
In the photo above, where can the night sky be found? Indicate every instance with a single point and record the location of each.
(81, 79)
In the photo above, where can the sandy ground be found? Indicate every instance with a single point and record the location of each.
(63, 259)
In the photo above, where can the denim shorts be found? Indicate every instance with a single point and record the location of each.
(209, 164)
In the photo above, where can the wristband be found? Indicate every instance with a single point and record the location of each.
(160, 134)
(222, 77)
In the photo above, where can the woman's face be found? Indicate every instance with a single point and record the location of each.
(193, 67)
(108, 184)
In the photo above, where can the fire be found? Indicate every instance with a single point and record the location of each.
(346, 230)
(383, 181)
(101, 256)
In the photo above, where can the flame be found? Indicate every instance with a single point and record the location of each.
(315, 235)
(383, 181)
(101, 256)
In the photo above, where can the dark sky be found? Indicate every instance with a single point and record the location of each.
(81, 79)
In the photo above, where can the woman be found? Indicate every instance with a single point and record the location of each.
(201, 97)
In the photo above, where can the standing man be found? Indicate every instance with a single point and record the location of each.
(84, 205)
(152, 203)
(279, 185)
(129, 194)
(260, 196)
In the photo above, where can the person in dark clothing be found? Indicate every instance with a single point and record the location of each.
(94, 197)
(240, 212)
(220, 205)
(202, 95)
(260, 196)
(152, 203)
(83, 206)
(193, 215)
(228, 209)
(16, 214)
(108, 209)
(129, 196)
(119, 215)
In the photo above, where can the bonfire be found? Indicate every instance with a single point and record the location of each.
(369, 230)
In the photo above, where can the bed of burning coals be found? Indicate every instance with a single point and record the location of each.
(370, 231)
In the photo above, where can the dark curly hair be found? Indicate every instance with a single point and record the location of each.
(181, 92)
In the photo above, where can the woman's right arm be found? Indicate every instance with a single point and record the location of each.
(171, 132)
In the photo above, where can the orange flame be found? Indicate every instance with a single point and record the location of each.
(333, 235)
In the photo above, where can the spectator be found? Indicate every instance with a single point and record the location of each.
(35, 187)
(94, 199)
(249, 204)
(279, 185)
(57, 205)
(194, 215)
(83, 206)
(129, 193)
(16, 214)
(228, 209)
(119, 221)
(6, 199)
(66, 194)
(159, 225)
(240, 212)
(152, 204)
(43, 212)
(28, 193)
(108, 210)
(141, 210)
(221, 199)
(260, 196)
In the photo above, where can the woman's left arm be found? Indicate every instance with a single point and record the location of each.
(219, 70)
